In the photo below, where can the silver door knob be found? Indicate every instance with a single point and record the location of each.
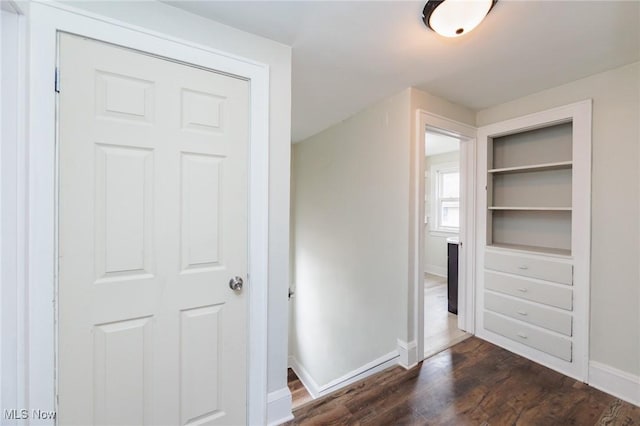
(236, 283)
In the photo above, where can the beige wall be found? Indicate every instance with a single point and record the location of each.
(350, 222)
(615, 246)
(168, 20)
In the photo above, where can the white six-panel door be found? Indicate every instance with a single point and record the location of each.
(152, 226)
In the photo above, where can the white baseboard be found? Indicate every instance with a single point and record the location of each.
(436, 270)
(279, 407)
(360, 373)
(307, 381)
(375, 366)
(408, 354)
(615, 382)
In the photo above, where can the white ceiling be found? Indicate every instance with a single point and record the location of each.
(349, 54)
(437, 143)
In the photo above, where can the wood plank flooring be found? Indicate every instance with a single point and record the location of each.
(440, 326)
(472, 383)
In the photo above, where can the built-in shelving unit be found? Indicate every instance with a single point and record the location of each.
(534, 222)
(529, 189)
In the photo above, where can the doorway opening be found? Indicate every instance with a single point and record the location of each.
(442, 228)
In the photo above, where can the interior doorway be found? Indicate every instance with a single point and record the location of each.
(465, 137)
(442, 223)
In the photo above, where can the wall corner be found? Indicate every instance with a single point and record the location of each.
(408, 352)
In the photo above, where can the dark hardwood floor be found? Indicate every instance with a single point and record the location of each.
(472, 383)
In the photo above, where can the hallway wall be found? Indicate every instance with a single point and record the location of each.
(350, 240)
(351, 226)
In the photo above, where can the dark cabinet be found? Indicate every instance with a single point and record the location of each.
(452, 275)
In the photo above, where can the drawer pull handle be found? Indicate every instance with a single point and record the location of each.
(523, 267)
(522, 335)
(522, 290)
(523, 313)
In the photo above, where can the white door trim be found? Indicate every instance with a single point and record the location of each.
(466, 309)
(46, 20)
(12, 209)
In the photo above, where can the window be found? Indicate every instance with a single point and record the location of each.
(446, 199)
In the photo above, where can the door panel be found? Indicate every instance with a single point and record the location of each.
(124, 220)
(200, 364)
(152, 225)
(200, 216)
(123, 386)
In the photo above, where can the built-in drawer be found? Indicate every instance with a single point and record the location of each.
(535, 291)
(529, 312)
(550, 270)
(541, 340)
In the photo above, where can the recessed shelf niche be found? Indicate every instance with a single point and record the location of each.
(529, 190)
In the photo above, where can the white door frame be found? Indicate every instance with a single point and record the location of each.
(12, 210)
(466, 303)
(46, 21)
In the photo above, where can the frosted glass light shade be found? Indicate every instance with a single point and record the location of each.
(453, 18)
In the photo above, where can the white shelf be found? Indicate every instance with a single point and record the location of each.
(532, 249)
(542, 209)
(534, 168)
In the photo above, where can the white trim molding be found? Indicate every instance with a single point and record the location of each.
(618, 383)
(466, 278)
(408, 354)
(47, 19)
(279, 407)
(370, 368)
(305, 378)
(360, 373)
(13, 208)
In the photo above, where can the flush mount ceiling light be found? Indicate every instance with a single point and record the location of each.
(453, 18)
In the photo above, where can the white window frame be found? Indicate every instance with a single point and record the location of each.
(436, 223)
